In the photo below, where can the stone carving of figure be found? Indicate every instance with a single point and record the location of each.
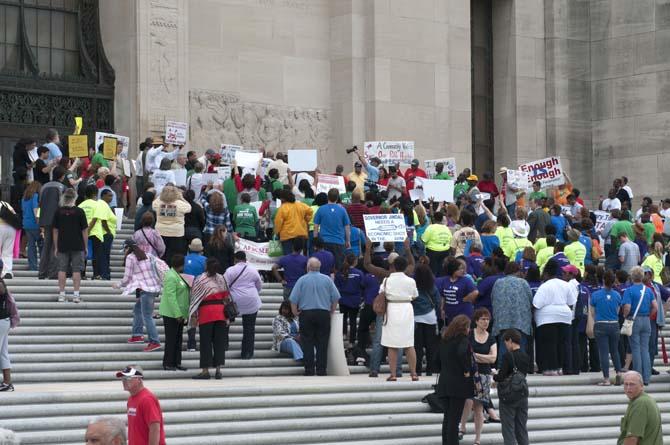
(302, 134)
(228, 133)
(287, 131)
(270, 129)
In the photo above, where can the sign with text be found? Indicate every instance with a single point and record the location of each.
(518, 179)
(438, 189)
(385, 227)
(109, 148)
(390, 152)
(228, 153)
(100, 136)
(257, 254)
(302, 160)
(548, 171)
(416, 194)
(224, 172)
(449, 167)
(180, 177)
(602, 218)
(327, 182)
(176, 132)
(77, 145)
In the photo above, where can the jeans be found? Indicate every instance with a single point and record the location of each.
(34, 246)
(502, 349)
(291, 346)
(337, 250)
(143, 316)
(639, 342)
(513, 419)
(174, 331)
(314, 334)
(607, 337)
(425, 337)
(453, 410)
(248, 334)
(378, 349)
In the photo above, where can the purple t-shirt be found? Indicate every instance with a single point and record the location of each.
(475, 264)
(370, 288)
(327, 260)
(485, 288)
(453, 294)
(295, 266)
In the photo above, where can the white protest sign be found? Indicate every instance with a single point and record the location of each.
(209, 177)
(32, 154)
(565, 210)
(134, 162)
(449, 167)
(548, 171)
(415, 194)
(438, 189)
(176, 132)
(224, 172)
(257, 254)
(126, 167)
(265, 163)
(180, 177)
(327, 182)
(119, 217)
(302, 160)
(228, 152)
(518, 179)
(390, 152)
(195, 184)
(602, 218)
(248, 160)
(385, 227)
(100, 138)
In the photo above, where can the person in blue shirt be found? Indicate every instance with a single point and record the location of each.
(29, 207)
(194, 262)
(332, 225)
(639, 302)
(559, 222)
(604, 307)
(294, 266)
(314, 297)
(492, 271)
(349, 282)
(53, 139)
(356, 241)
(372, 169)
(326, 258)
(585, 240)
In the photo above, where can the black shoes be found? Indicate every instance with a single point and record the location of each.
(6, 387)
(202, 376)
(218, 375)
(181, 368)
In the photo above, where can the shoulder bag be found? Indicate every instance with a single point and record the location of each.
(230, 309)
(514, 387)
(380, 303)
(627, 327)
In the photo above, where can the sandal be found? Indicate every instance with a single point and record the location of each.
(604, 383)
(415, 378)
(391, 379)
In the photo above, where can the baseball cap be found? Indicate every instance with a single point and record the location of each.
(210, 151)
(570, 269)
(392, 256)
(415, 162)
(472, 178)
(358, 164)
(131, 371)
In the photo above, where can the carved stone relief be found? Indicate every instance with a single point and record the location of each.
(222, 118)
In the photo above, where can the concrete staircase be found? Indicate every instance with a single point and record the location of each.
(64, 356)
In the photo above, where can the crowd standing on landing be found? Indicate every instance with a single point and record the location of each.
(499, 282)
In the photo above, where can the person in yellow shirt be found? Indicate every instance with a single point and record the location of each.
(437, 239)
(359, 177)
(541, 243)
(90, 205)
(544, 254)
(655, 262)
(292, 220)
(575, 251)
(503, 231)
(103, 232)
(515, 246)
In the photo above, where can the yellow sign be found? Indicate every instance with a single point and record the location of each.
(109, 148)
(77, 145)
(78, 125)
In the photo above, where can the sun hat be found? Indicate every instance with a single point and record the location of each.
(520, 228)
(196, 245)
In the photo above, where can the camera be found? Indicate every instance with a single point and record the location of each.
(352, 149)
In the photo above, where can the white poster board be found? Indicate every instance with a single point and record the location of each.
(390, 152)
(209, 177)
(415, 194)
(385, 227)
(602, 218)
(438, 189)
(248, 160)
(228, 152)
(327, 182)
(100, 138)
(257, 254)
(119, 217)
(302, 160)
(126, 168)
(176, 132)
(548, 171)
(518, 179)
(180, 177)
(449, 167)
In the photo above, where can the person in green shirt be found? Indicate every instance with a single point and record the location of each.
(575, 251)
(641, 425)
(230, 192)
(99, 159)
(437, 239)
(439, 173)
(275, 183)
(174, 310)
(461, 187)
(544, 254)
(245, 218)
(537, 192)
(620, 226)
(649, 228)
(345, 198)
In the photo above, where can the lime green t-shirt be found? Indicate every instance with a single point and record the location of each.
(245, 218)
(543, 257)
(103, 213)
(505, 235)
(642, 420)
(516, 245)
(442, 175)
(89, 206)
(437, 238)
(540, 244)
(576, 254)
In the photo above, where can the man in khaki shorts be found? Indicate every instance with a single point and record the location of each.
(70, 233)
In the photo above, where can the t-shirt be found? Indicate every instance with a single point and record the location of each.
(27, 208)
(295, 266)
(453, 294)
(345, 198)
(461, 237)
(357, 240)
(606, 304)
(194, 264)
(642, 420)
(332, 218)
(245, 218)
(632, 297)
(482, 348)
(537, 195)
(70, 221)
(443, 176)
(485, 288)
(559, 222)
(143, 410)
(437, 237)
(619, 227)
(553, 300)
(397, 182)
(102, 212)
(611, 204)
(489, 243)
(54, 151)
(327, 260)
(99, 159)
(631, 255)
(38, 174)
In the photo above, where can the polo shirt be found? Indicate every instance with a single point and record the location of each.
(314, 291)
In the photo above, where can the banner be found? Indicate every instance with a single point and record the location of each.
(257, 254)
(438, 189)
(327, 182)
(390, 152)
(548, 171)
(176, 132)
(385, 227)
(78, 145)
(100, 136)
(228, 153)
(109, 148)
(449, 167)
(302, 160)
(602, 218)
(518, 179)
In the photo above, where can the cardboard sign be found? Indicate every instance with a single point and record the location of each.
(449, 167)
(109, 148)
(248, 161)
(390, 152)
(100, 136)
(416, 194)
(224, 172)
(548, 171)
(327, 182)
(518, 179)
(257, 254)
(228, 153)
(438, 189)
(302, 160)
(180, 177)
(385, 227)
(602, 218)
(78, 145)
(176, 132)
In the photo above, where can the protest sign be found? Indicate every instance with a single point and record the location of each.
(438, 189)
(228, 152)
(109, 148)
(265, 163)
(179, 177)
(327, 182)
(302, 160)
(602, 218)
(565, 210)
(415, 194)
(548, 171)
(248, 159)
(32, 154)
(100, 136)
(223, 172)
(78, 145)
(449, 167)
(385, 227)
(119, 217)
(176, 132)
(209, 177)
(518, 179)
(125, 164)
(257, 254)
(390, 152)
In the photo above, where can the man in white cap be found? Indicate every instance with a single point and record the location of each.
(145, 417)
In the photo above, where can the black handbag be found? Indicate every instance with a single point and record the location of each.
(514, 387)
(9, 217)
(229, 306)
(434, 401)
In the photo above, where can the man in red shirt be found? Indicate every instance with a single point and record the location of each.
(145, 418)
(413, 172)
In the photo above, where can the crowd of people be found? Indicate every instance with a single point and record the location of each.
(497, 270)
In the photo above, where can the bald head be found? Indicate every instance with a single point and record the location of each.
(633, 384)
(106, 431)
(313, 265)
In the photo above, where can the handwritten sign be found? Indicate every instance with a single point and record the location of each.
(257, 254)
(176, 132)
(438, 189)
(109, 148)
(78, 125)
(385, 227)
(449, 167)
(518, 179)
(602, 218)
(390, 152)
(548, 171)
(224, 172)
(327, 182)
(302, 160)
(100, 136)
(78, 145)
(228, 153)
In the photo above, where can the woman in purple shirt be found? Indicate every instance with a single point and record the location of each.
(458, 292)
(349, 282)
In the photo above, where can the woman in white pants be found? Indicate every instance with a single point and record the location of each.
(9, 318)
(7, 235)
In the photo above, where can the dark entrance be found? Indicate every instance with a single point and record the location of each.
(482, 85)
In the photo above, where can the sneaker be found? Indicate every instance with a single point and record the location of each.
(61, 298)
(8, 276)
(153, 347)
(76, 299)
(191, 350)
(136, 339)
(4, 387)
